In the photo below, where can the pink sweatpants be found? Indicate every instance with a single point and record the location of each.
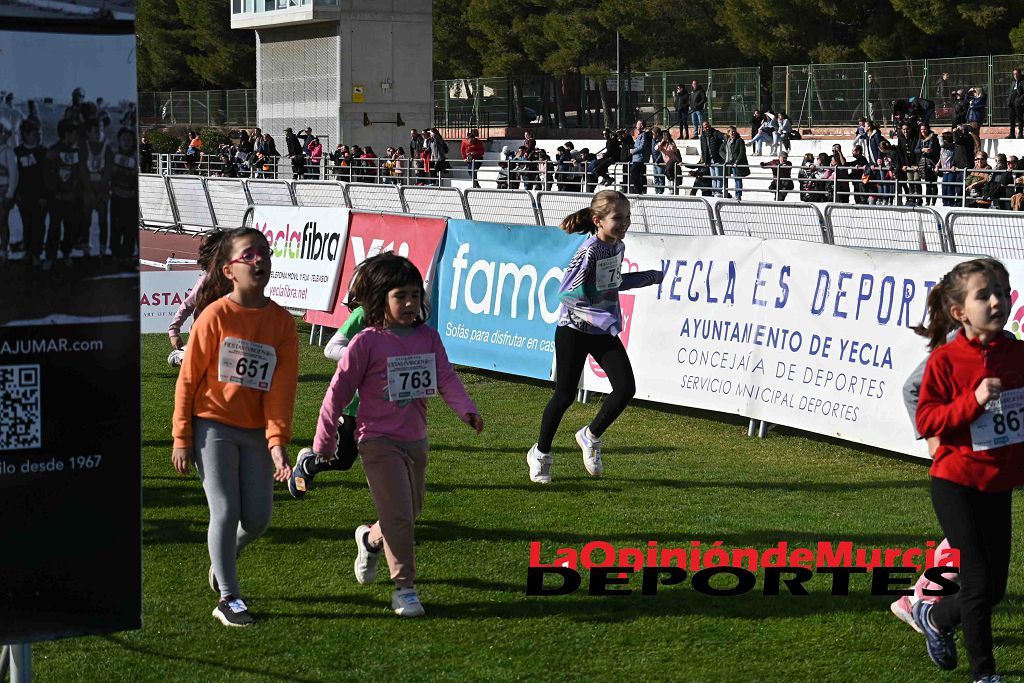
(396, 472)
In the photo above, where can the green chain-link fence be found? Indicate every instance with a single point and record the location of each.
(198, 108)
(837, 94)
(732, 96)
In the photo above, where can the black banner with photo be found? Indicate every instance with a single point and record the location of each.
(70, 413)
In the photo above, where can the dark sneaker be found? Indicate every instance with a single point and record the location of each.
(231, 611)
(991, 678)
(941, 645)
(299, 482)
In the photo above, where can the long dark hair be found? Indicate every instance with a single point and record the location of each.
(952, 291)
(216, 253)
(379, 275)
(601, 205)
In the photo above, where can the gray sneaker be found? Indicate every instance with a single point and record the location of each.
(406, 603)
(540, 465)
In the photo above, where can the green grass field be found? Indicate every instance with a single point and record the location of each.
(672, 475)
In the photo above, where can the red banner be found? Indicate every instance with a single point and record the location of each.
(372, 233)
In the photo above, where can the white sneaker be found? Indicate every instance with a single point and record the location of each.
(591, 453)
(366, 561)
(540, 465)
(406, 603)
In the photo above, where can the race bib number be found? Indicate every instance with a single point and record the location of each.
(248, 363)
(411, 377)
(1001, 424)
(609, 273)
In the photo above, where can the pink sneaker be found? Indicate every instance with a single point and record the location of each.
(903, 609)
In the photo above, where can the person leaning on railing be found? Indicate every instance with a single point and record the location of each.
(671, 157)
(859, 171)
(782, 169)
(927, 150)
(976, 180)
(946, 165)
(472, 150)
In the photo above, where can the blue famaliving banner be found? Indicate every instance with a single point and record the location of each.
(495, 299)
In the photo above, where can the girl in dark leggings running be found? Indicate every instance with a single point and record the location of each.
(589, 324)
(970, 399)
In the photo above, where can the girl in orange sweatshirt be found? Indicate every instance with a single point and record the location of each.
(233, 407)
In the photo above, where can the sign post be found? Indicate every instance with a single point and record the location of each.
(70, 408)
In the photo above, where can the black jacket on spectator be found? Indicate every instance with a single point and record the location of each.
(682, 101)
(292, 142)
(1016, 94)
(904, 156)
(711, 146)
(698, 99)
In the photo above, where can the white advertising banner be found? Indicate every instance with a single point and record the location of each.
(162, 292)
(308, 245)
(811, 336)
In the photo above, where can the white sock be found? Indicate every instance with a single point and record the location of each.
(590, 435)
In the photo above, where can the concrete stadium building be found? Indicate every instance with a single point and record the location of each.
(338, 65)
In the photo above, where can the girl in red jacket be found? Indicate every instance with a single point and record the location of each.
(972, 399)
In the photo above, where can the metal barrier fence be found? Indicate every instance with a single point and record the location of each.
(196, 204)
(889, 227)
(814, 183)
(198, 108)
(838, 94)
(772, 220)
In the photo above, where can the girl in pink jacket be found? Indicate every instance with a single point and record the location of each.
(396, 363)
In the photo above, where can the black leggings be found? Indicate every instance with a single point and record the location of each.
(571, 350)
(978, 525)
(348, 451)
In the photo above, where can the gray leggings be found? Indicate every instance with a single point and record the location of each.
(238, 477)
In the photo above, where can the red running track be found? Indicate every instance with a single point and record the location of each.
(159, 246)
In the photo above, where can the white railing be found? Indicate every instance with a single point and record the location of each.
(195, 204)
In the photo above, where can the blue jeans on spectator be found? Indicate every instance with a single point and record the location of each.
(659, 179)
(951, 186)
(698, 118)
(737, 179)
(717, 173)
(759, 140)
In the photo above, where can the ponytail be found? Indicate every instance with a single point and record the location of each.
(600, 206)
(952, 291)
(940, 322)
(580, 221)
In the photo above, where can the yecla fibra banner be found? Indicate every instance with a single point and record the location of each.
(70, 409)
(811, 336)
(308, 246)
(495, 298)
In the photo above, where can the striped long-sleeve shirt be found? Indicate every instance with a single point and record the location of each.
(589, 292)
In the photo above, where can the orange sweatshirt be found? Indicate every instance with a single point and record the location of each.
(241, 369)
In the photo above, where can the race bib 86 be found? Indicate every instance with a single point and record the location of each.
(1001, 424)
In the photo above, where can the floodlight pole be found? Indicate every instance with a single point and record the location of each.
(21, 663)
(618, 84)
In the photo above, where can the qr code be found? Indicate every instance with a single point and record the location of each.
(20, 418)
